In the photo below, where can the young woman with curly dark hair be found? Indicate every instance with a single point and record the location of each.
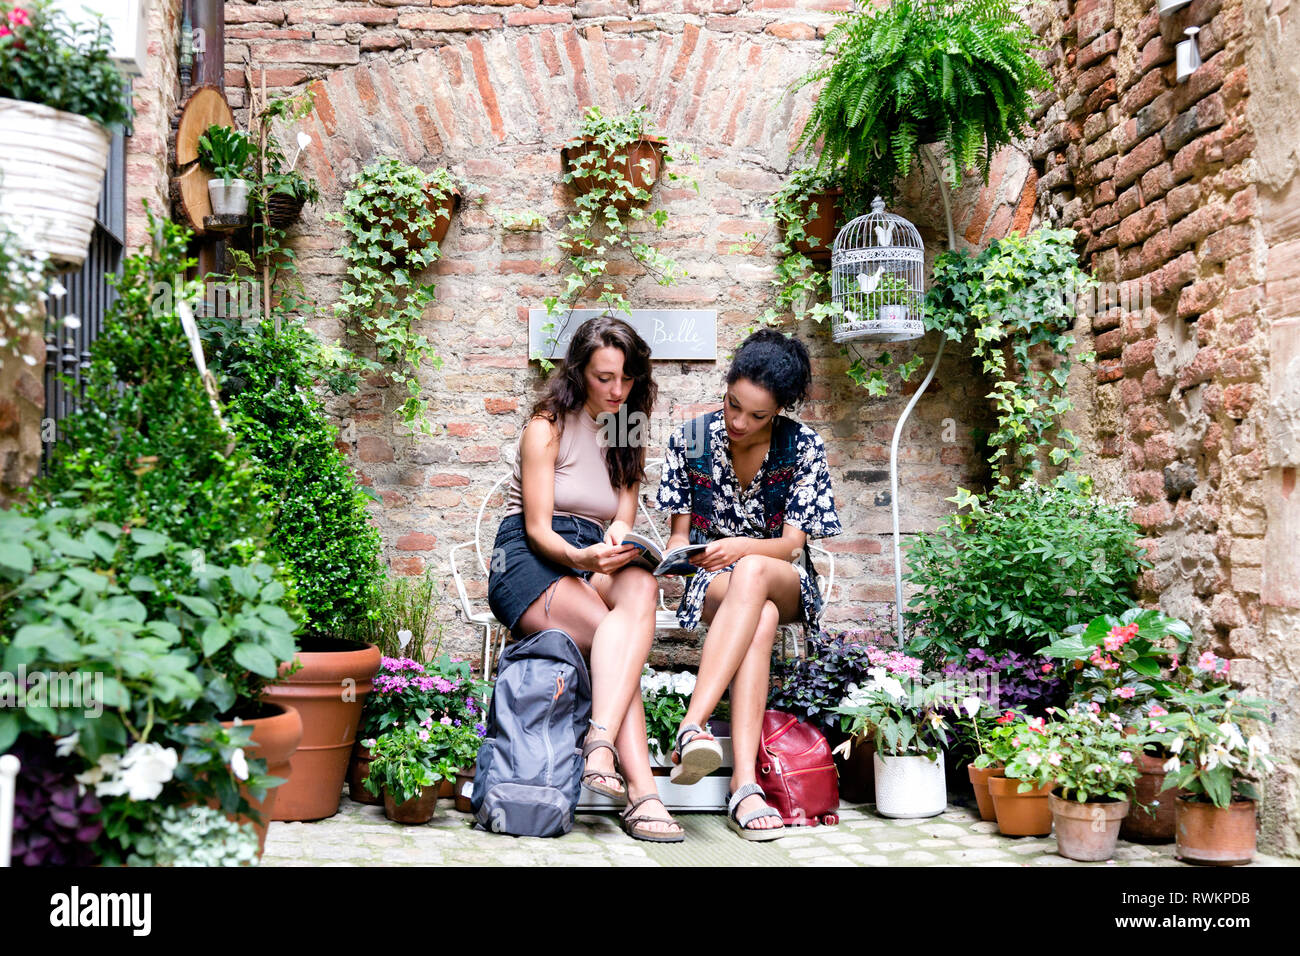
(755, 486)
(556, 564)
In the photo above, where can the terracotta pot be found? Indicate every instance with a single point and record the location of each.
(1157, 824)
(1020, 814)
(1213, 836)
(909, 787)
(446, 788)
(628, 164)
(442, 207)
(979, 781)
(416, 810)
(821, 228)
(465, 790)
(857, 771)
(329, 691)
(1086, 831)
(275, 738)
(358, 770)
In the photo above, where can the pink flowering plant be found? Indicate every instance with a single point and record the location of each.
(1212, 753)
(1123, 663)
(407, 691)
(1090, 757)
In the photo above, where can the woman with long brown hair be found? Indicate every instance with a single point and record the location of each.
(556, 564)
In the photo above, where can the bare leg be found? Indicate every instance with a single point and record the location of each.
(749, 689)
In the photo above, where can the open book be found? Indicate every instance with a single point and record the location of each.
(655, 560)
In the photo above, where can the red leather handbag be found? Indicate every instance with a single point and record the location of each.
(797, 772)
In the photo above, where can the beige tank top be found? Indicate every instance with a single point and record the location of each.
(582, 485)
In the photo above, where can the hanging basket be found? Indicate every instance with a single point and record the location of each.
(283, 211)
(637, 165)
(51, 173)
(877, 279)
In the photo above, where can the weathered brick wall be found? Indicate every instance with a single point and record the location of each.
(1162, 181)
(492, 91)
(22, 403)
(156, 93)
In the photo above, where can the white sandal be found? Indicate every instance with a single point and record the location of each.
(742, 826)
(696, 758)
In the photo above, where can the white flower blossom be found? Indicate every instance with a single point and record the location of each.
(64, 746)
(1172, 764)
(971, 705)
(239, 763)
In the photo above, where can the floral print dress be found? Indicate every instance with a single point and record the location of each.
(738, 512)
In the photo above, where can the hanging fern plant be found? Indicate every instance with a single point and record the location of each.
(920, 71)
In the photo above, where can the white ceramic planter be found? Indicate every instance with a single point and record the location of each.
(228, 199)
(51, 170)
(908, 787)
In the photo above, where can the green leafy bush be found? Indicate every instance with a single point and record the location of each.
(1017, 570)
(323, 531)
(46, 58)
(921, 71)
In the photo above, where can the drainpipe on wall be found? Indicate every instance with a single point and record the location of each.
(208, 16)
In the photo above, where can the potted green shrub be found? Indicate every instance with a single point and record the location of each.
(957, 72)
(1093, 763)
(60, 95)
(1218, 761)
(227, 153)
(904, 715)
(407, 765)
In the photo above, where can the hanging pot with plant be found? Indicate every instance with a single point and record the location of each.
(616, 156)
(227, 153)
(60, 94)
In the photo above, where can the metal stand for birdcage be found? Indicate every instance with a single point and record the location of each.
(898, 429)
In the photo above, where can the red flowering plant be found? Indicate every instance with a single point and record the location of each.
(1123, 664)
(993, 735)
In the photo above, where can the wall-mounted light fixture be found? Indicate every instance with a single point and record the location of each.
(1166, 7)
(1187, 55)
(128, 23)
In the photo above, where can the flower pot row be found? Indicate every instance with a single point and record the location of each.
(1090, 831)
(460, 789)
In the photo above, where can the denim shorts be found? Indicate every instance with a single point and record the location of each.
(518, 575)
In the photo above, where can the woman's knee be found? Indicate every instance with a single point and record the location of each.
(749, 574)
(638, 586)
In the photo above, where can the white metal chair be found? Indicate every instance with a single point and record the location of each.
(9, 767)
(495, 633)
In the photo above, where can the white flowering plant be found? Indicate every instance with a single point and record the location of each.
(1084, 752)
(664, 695)
(906, 715)
(1211, 754)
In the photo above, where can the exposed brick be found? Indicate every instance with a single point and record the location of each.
(373, 448)
(416, 541)
(1145, 155)
(500, 406)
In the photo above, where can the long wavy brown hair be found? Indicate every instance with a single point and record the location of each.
(566, 390)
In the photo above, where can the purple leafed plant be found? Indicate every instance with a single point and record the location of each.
(54, 824)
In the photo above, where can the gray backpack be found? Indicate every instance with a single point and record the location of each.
(529, 770)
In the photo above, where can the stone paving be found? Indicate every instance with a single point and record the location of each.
(361, 836)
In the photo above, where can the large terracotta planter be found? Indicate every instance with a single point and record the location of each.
(909, 787)
(328, 692)
(275, 738)
(1155, 825)
(821, 228)
(416, 810)
(979, 781)
(630, 164)
(1086, 831)
(1213, 836)
(358, 770)
(51, 168)
(1020, 814)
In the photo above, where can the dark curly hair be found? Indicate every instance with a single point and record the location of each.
(566, 390)
(776, 362)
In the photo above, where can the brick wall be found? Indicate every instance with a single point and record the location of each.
(149, 148)
(22, 403)
(1162, 181)
(491, 90)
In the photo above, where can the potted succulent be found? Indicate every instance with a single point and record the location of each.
(1217, 761)
(918, 72)
(904, 716)
(406, 766)
(1020, 793)
(60, 95)
(227, 153)
(1093, 763)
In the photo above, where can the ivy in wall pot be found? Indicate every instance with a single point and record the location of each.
(613, 162)
(1015, 302)
(390, 220)
(957, 72)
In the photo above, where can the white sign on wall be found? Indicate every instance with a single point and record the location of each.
(129, 21)
(670, 333)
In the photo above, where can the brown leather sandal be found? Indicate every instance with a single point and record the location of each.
(594, 780)
(635, 826)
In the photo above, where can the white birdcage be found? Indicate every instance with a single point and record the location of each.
(877, 278)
